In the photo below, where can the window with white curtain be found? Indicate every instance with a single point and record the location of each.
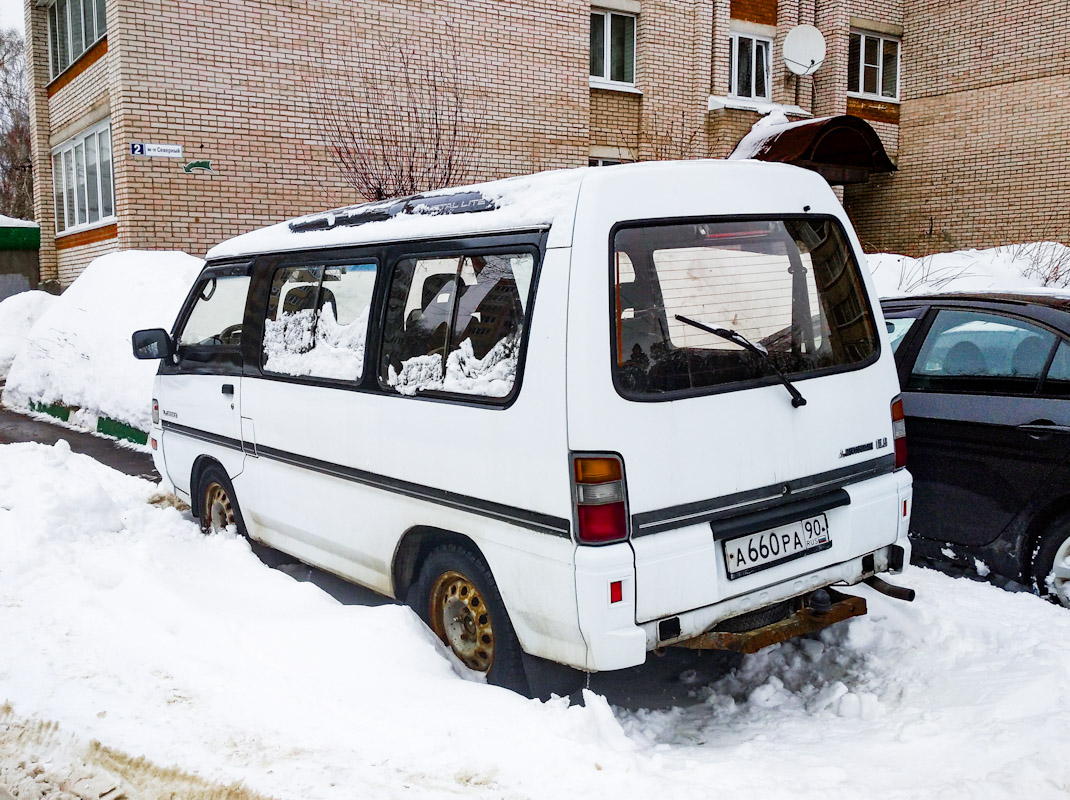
(82, 179)
(73, 27)
(873, 66)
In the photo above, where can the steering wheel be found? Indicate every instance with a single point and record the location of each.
(230, 335)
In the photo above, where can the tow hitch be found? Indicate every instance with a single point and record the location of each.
(898, 592)
(825, 607)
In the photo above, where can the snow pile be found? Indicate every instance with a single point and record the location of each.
(78, 353)
(18, 313)
(768, 127)
(490, 376)
(124, 624)
(13, 222)
(1022, 267)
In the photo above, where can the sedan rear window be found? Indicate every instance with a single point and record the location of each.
(790, 286)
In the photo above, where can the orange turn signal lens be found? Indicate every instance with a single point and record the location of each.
(598, 470)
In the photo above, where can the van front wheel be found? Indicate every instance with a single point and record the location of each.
(218, 508)
(457, 597)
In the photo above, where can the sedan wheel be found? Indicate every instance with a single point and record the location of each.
(1051, 564)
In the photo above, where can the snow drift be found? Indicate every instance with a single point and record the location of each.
(18, 314)
(124, 624)
(78, 353)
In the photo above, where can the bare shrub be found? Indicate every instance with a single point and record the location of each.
(918, 273)
(671, 139)
(1047, 262)
(402, 124)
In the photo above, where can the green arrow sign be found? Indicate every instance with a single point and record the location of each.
(204, 164)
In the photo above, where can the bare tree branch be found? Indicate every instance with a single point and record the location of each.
(16, 164)
(401, 125)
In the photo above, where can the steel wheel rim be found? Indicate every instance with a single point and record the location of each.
(461, 619)
(218, 509)
(1059, 579)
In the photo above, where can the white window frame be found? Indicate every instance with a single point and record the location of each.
(70, 146)
(54, 70)
(605, 81)
(882, 37)
(734, 37)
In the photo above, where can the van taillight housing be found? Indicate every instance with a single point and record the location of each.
(600, 498)
(155, 411)
(899, 433)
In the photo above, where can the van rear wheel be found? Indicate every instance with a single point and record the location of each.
(455, 594)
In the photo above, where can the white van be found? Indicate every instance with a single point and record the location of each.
(572, 417)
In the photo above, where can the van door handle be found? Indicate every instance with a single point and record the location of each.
(228, 388)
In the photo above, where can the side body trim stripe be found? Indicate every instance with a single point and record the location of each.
(747, 502)
(542, 523)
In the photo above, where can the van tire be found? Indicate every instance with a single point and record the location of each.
(1053, 546)
(213, 479)
(216, 502)
(456, 596)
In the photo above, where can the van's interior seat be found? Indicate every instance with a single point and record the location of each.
(498, 314)
(965, 358)
(303, 298)
(426, 327)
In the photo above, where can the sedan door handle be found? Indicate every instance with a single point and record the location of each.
(1041, 427)
(228, 388)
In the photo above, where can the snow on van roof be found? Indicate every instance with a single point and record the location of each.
(529, 201)
(525, 202)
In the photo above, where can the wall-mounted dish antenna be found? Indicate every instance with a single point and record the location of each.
(804, 50)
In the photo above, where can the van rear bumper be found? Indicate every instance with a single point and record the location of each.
(615, 643)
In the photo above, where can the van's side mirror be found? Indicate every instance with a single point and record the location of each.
(153, 343)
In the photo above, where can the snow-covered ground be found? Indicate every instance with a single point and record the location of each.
(122, 623)
(18, 314)
(78, 353)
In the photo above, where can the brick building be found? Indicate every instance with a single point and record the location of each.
(972, 126)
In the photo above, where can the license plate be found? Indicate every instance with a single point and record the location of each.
(755, 551)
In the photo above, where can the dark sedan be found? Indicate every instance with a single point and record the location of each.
(986, 391)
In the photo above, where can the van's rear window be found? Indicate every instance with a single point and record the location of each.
(790, 286)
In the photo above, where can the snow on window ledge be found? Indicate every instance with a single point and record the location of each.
(717, 102)
(876, 98)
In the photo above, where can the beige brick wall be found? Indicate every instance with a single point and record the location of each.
(72, 261)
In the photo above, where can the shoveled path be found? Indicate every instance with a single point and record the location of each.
(15, 427)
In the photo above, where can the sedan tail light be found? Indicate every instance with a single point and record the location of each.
(600, 498)
(899, 433)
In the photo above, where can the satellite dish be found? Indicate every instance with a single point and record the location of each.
(804, 50)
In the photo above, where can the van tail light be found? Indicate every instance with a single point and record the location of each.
(155, 411)
(600, 497)
(899, 433)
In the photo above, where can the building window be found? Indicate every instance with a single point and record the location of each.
(612, 48)
(873, 66)
(750, 66)
(604, 162)
(73, 27)
(83, 188)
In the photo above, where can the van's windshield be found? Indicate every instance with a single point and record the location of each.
(791, 286)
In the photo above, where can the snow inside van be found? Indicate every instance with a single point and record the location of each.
(570, 418)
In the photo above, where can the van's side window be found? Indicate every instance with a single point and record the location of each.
(317, 321)
(216, 317)
(455, 324)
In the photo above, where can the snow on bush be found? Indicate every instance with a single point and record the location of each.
(1019, 267)
(18, 313)
(78, 353)
(122, 623)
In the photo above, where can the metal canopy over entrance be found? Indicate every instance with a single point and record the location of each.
(841, 149)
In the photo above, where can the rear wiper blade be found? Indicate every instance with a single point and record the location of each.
(737, 338)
